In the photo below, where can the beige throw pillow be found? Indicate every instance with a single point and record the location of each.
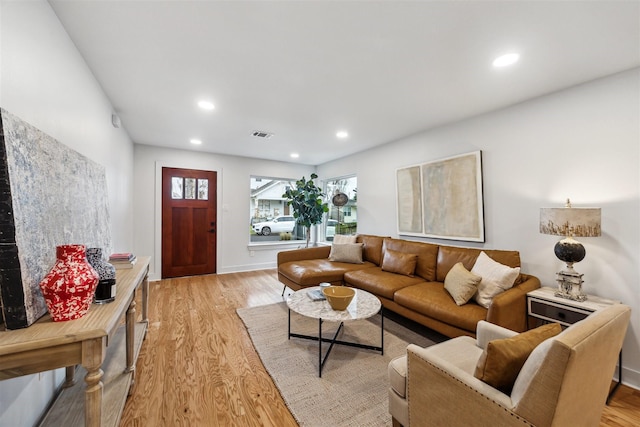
(502, 360)
(496, 278)
(341, 239)
(347, 252)
(461, 283)
(399, 262)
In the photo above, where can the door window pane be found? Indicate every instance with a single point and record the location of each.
(176, 187)
(190, 188)
(203, 189)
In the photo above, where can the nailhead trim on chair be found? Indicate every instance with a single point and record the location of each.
(516, 416)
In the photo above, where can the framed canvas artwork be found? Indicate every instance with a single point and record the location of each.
(442, 199)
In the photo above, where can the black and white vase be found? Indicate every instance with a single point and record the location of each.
(106, 290)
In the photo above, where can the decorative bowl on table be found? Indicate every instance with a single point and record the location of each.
(339, 297)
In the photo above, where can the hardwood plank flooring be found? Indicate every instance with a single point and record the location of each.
(198, 366)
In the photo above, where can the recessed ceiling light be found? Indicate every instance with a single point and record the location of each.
(342, 134)
(206, 105)
(195, 141)
(294, 155)
(506, 60)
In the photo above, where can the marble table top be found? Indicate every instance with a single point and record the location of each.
(362, 306)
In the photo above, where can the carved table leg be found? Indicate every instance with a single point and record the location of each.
(70, 376)
(92, 357)
(130, 335)
(145, 300)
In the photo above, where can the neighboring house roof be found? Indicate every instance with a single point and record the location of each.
(269, 187)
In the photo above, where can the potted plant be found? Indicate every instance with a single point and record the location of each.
(306, 201)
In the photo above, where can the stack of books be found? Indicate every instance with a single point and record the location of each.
(122, 260)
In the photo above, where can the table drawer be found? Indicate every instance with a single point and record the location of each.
(556, 313)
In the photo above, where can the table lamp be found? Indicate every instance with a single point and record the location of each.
(570, 222)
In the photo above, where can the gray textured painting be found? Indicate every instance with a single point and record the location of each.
(50, 195)
(452, 198)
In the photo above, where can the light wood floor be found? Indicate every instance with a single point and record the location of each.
(198, 366)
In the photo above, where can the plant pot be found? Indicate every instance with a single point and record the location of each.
(69, 287)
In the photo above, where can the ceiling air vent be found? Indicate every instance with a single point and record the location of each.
(262, 134)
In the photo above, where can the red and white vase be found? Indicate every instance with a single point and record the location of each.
(69, 287)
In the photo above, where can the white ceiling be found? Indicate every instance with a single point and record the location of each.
(303, 70)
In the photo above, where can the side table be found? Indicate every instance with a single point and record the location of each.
(543, 305)
(105, 348)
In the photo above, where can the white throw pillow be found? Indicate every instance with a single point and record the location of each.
(496, 278)
(341, 239)
(348, 252)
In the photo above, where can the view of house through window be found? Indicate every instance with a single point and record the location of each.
(270, 218)
(342, 197)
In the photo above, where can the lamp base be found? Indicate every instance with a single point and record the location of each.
(570, 285)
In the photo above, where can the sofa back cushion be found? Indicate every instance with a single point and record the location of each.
(399, 262)
(448, 256)
(372, 247)
(427, 255)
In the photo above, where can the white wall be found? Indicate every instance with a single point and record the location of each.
(582, 143)
(45, 81)
(233, 190)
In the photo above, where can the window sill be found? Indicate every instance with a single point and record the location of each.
(282, 244)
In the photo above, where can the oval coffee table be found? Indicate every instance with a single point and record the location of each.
(363, 306)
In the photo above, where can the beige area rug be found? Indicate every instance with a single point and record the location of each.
(354, 383)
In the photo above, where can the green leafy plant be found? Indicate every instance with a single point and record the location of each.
(306, 201)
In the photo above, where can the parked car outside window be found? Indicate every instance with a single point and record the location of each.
(331, 229)
(281, 224)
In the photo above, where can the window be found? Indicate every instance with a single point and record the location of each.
(271, 219)
(185, 188)
(341, 219)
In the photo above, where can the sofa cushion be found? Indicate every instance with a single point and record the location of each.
(496, 278)
(372, 249)
(378, 282)
(461, 284)
(502, 360)
(346, 252)
(344, 238)
(427, 255)
(311, 272)
(432, 300)
(448, 256)
(399, 262)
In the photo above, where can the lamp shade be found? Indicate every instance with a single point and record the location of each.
(569, 221)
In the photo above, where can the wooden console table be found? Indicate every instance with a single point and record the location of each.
(94, 341)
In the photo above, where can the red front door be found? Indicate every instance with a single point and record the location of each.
(188, 222)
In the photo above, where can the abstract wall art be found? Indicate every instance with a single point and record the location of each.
(50, 195)
(442, 199)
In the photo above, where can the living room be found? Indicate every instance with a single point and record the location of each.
(580, 142)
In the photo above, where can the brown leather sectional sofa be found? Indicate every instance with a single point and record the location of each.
(421, 298)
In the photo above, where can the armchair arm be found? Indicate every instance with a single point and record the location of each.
(316, 252)
(438, 390)
(486, 332)
(509, 309)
